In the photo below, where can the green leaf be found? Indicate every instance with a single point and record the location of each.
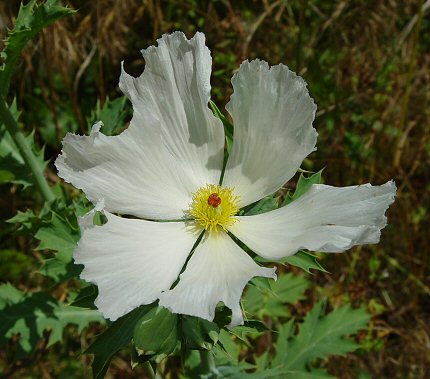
(226, 351)
(304, 260)
(285, 332)
(262, 362)
(31, 19)
(29, 315)
(198, 333)
(251, 329)
(303, 185)
(268, 203)
(262, 301)
(157, 332)
(228, 127)
(58, 235)
(29, 222)
(113, 115)
(238, 372)
(86, 297)
(9, 295)
(116, 337)
(322, 335)
(61, 267)
(26, 219)
(12, 166)
(62, 237)
(312, 374)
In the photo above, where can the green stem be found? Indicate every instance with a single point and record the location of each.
(25, 151)
(208, 361)
(149, 370)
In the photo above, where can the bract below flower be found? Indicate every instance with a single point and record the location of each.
(167, 166)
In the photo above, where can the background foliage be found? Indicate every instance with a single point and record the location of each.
(367, 66)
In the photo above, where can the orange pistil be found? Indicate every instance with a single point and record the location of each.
(214, 200)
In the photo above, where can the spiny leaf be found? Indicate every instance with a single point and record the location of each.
(322, 335)
(112, 115)
(30, 315)
(58, 235)
(31, 19)
(12, 166)
(262, 301)
(304, 260)
(303, 185)
(226, 351)
(285, 331)
(61, 237)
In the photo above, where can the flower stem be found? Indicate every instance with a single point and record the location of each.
(149, 370)
(208, 361)
(25, 151)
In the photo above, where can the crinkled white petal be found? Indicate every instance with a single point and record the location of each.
(173, 145)
(272, 114)
(327, 219)
(131, 261)
(217, 271)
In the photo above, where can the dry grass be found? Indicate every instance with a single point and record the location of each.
(368, 67)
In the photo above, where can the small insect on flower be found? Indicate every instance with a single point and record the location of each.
(166, 166)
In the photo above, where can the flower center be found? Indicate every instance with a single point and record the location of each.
(214, 200)
(213, 207)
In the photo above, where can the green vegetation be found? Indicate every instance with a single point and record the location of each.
(356, 315)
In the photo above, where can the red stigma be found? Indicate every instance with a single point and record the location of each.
(214, 200)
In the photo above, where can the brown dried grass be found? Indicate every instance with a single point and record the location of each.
(368, 36)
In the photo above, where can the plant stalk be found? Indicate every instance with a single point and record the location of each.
(207, 361)
(25, 151)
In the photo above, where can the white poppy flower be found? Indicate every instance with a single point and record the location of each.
(166, 166)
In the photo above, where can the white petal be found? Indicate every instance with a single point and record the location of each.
(327, 219)
(171, 98)
(217, 271)
(272, 114)
(131, 178)
(132, 261)
(173, 145)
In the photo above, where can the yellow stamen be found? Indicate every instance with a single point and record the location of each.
(213, 207)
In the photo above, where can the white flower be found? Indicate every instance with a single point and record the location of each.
(167, 166)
